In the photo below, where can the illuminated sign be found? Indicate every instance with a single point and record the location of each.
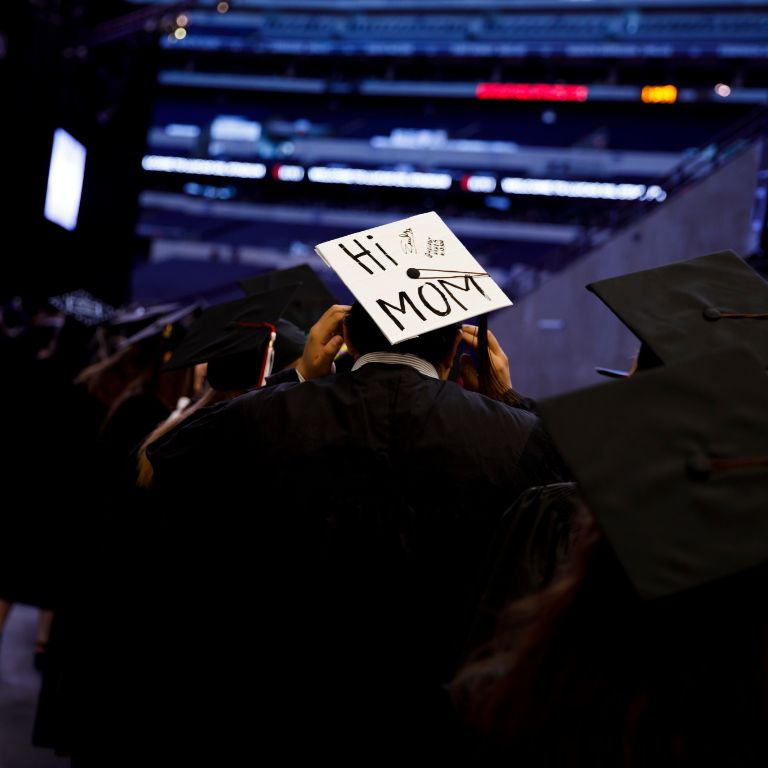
(472, 183)
(287, 172)
(65, 180)
(367, 178)
(531, 92)
(596, 190)
(203, 167)
(659, 94)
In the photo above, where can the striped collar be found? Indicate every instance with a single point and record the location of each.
(396, 358)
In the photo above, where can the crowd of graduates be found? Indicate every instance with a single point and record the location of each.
(267, 534)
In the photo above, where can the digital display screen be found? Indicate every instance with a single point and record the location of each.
(65, 180)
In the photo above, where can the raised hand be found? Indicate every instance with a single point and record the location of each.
(323, 343)
(499, 362)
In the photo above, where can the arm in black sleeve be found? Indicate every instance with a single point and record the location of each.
(541, 460)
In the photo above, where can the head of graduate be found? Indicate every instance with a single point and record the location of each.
(362, 336)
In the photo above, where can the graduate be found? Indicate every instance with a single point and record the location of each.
(688, 308)
(650, 646)
(350, 511)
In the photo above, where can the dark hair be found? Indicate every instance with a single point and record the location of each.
(366, 337)
(586, 673)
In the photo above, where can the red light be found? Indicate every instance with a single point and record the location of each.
(531, 92)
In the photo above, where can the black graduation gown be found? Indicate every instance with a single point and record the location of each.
(339, 611)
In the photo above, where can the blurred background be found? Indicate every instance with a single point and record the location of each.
(157, 153)
(218, 140)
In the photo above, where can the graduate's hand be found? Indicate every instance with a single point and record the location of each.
(499, 361)
(323, 343)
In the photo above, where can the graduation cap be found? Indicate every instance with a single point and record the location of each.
(242, 340)
(413, 276)
(83, 307)
(646, 358)
(612, 373)
(691, 307)
(139, 313)
(310, 300)
(674, 466)
(162, 324)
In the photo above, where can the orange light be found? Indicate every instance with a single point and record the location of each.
(659, 94)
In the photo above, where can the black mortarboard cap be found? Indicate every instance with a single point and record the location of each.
(234, 339)
(692, 307)
(674, 466)
(140, 313)
(161, 324)
(83, 306)
(309, 302)
(612, 373)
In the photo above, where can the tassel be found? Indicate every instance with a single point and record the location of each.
(269, 360)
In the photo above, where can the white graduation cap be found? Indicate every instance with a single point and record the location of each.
(412, 276)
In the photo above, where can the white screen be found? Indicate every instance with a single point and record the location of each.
(65, 180)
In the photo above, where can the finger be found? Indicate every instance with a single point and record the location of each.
(469, 335)
(330, 320)
(493, 344)
(333, 346)
(499, 358)
(333, 315)
(338, 309)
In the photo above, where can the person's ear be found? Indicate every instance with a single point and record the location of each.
(447, 362)
(350, 347)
